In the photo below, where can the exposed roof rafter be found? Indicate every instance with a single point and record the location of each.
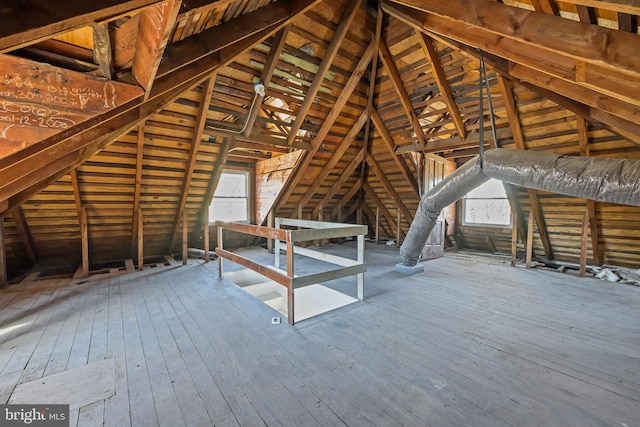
(597, 65)
(332, 50)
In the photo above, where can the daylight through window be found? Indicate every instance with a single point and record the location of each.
(487, 205)
(231, 199)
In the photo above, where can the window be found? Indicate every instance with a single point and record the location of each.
(231, 199)
(487, 205)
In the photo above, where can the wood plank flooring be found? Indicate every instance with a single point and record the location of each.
(470, 342)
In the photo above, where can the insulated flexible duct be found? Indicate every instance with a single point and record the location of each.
(595, 178)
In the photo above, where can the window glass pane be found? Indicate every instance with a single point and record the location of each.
(232, 185)
(487, 205)
(487, 212)
(229, 209)
(231, 199)
(490, 189)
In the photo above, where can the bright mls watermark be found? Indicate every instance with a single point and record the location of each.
(34, 415)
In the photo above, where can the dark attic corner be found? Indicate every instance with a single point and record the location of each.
(304, 212)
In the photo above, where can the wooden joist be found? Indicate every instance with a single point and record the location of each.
(56, 155)
(267, 73)
(585, 150)
(140, 239)
(441, 80)
(346, 173)
(332, 50)
(370, 192)
(388, 187)
(221, 161)
(154, 28)
(601, 75)
(199, 46)
(102, 54)
(135, 233)
(403, 96)
(185, 238)
(583, 243)
(201, 119)
(40, 100)
(84, 238)
(335, 158)
(43, 18)
(389, 143)
(305, 161)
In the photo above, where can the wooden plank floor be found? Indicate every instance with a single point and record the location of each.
(470, 342)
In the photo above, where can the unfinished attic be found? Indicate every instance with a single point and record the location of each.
(140, 137)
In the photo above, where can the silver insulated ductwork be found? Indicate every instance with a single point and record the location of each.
(607, 180)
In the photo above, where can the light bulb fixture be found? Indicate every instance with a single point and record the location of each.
(259, 88)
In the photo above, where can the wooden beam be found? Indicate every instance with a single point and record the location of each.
(506, 90)
(3, 256)
(403, 96)
(347, 197)
(221, 160)
(583, 243)
(140, 238)
(260, 139)
(583, 136)
(332, 50)
(542, 227)
(490, 244)
(25, 233)
(198, 47)
(185, 238)
(346, 174)
(595, 234)
(205, 234)
(610, 68)
(625, 6)
(371, 92)
(154, 28)
(198, 127)
(305, 160)
(20, 26)
(388, 141)
(363, 207)
(399, 228)
(71, 99)
(27, 172)
(376, 200)
(377, 227)
(345, 94)
(84, 237)
(628, 22)
(102, 49)
(583, 141)
(617, 115)
(440, 77)
(516, 210)
(545, 6)
(482, 18)
(388, 186)
(335, 158)
(529, 240)
(137, 189)
(586, 14)
(518, 138)
(514, 238)
(267, 74)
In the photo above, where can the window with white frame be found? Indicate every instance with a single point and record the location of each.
(231, 199)
(487, 205)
